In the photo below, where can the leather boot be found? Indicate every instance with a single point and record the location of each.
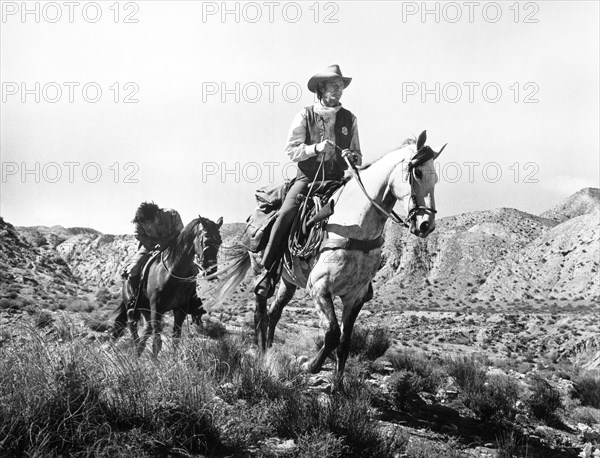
(134, 282)
(265, 285)
(271, 255)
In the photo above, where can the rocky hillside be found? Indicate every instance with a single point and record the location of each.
(31, 269)
(581, 203)
(458, 256)
(493, 255)
(562, 262)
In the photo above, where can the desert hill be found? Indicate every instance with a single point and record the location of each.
(458, 256)
(582, 202)
(494, 255)
(562, 262)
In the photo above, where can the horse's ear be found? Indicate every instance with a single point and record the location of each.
(422, 139)
(436, 155)
(220, 222)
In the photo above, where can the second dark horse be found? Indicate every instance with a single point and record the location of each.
(170, 284)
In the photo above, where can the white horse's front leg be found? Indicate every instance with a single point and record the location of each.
(324, 303)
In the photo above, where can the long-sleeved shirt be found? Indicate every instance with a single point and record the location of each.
(299, 151)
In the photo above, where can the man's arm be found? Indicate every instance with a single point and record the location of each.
(296, 149)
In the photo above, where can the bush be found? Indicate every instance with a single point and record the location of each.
(544, 400)
(214, 329)
(378, 342)
(74, 399)
(344, 415)
(489, 397)
(495, 399)
(405, 385)
(467, 373)
(430, 374)
(587, 390)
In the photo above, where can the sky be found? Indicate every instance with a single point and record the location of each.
(188, 104)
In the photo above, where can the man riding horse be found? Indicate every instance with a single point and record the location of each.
(155, 227)
(321, 137)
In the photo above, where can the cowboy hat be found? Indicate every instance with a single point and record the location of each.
(331, 72)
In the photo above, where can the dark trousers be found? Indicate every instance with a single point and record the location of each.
(281, 228)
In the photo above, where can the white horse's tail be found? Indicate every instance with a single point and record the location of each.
(235, 275)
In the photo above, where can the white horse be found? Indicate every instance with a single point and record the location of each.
(351, 254)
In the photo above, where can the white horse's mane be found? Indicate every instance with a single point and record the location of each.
(407, 142)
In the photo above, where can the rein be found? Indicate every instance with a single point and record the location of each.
(191, 278)
(392, 214)
(171, 274)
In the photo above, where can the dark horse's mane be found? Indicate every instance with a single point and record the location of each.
(183, 244)
(408, 141)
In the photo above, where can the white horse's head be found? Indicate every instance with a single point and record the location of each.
(413, 182)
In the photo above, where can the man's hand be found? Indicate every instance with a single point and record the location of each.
(352, 157)
(325, 150)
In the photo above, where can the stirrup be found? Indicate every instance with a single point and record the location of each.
(265, 286)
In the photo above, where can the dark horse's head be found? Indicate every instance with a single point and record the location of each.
(201, 240)
(207, 246)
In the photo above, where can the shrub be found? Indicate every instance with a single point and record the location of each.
(495, 399)
(405, 385)
(378, 342)
(587, 390)
(544, 400)
(467, 373)
(489, 397)
(74, 399)
(214, 329)
(345, 415)
(428, 371)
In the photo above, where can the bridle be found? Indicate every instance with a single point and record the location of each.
(201, 270)
(424, 154)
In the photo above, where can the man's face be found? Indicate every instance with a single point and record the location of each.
(332, 92)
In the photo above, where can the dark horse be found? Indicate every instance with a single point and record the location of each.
(347, 263)
(170, 283)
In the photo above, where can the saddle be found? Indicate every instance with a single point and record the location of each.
(319, 207)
